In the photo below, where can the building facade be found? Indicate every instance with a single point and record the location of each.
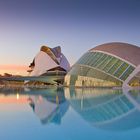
(107, 65)
(49, 61)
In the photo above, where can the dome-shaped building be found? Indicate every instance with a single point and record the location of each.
(107, 65)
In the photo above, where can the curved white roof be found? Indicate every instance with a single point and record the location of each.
(47, 59)
(128, 52)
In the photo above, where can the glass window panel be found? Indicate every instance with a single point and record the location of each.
(90, 57)
(110, 64)
(104, 62)
(84, 58)
(115, 67)
(97, 60)
(121, 69)
(101, 60)
(92, 60)
(127, 73)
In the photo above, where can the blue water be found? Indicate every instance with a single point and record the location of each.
(69, 114)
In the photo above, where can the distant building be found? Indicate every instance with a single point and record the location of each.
(49, 61)
(107, 65)
(7, 75)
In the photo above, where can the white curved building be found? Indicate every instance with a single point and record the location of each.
(49, 60)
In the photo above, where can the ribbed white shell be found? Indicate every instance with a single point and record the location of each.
(44, 62)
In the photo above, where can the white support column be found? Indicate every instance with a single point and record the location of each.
(125, 84)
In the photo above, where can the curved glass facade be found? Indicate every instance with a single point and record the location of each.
(98, 69)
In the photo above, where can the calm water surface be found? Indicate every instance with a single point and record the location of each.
(69, 114)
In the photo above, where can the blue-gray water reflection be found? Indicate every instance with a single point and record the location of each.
(97, 113)
(107, 109)
(49, 107)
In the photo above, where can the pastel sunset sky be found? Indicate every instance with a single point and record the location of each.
(75, 25)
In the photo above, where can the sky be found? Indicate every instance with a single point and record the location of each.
(75, 25)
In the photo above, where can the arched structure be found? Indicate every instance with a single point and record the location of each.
(107, 65)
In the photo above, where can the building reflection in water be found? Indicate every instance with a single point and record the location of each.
(102, 108)
(50, 106)
(107, 108)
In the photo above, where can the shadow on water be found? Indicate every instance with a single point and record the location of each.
(106, 109)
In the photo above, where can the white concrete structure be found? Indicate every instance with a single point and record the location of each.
(48, 59)
(131, 76)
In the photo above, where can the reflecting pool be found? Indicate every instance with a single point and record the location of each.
(69, 114)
